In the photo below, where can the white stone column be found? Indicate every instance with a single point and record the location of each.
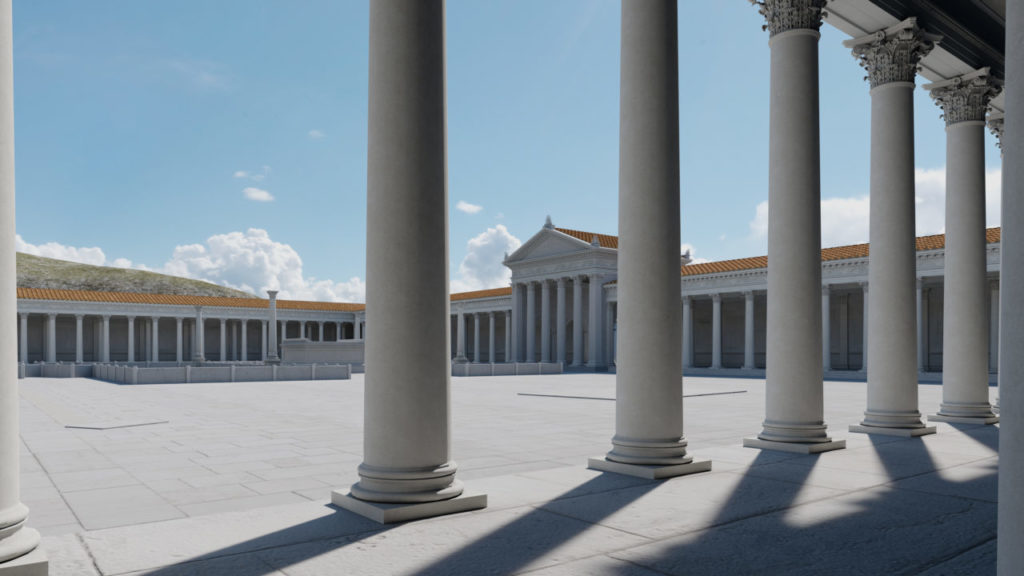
(19, 554)
(826, 328)
(687, 332)
(891, 58)
(223, 340)
(23, 337)
(609, 333)
(51, 337)
(920, 326)
(490, 343)
(407, 425)
(577, 321)
(244, 356)
(178, 344)
(545, 321)
(560, 321)
(105, 339)
(794, 403)
(131, 338)
(198, 345)
(865, 333)
(476, 337)
(512, 345)
(1010, 553)
(156, 339)
(748, 331)
(716, 331)
(964, 101)
(531, 327)
(460, 339)
(649, 440)
(79, 357)
(508, 336)
(337, 332)
(993, 333)
(595, 307)
(264, 340)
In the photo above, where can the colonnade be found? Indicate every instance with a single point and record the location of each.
(463, 353)
(541, 333)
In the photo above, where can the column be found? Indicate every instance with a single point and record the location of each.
(18, 543)
(1010, 554)
(156, 339)
(595, 307)
(407, 466)
(609, 334)
(24, 323)
(320, 334)
(508, 335)
(178, 352)
(234, 341)
(337, 332)
(545, 321)
(826, 329)
(244, 356)
(79, 357)
(490, 343)
(223, 340)
(131, 338)
(716, 331)
(865, 334)
(476, 337)
(460, 339)
(648, 440)
(303, 333)
(198, 346)
(531, 316)
(577, 321)
(263, 340)
(105, 339)
(964, 101)
(51, 337)
(891, 58)
(560, 321)
(993, 333)
(687, 332)
(748, 331)
(920, 326)
(794, 398)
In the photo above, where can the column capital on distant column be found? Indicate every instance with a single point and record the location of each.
(748, 294)
(826, 289)
(893, 54)
(77, 316)
(716, 297)
(785, 15)
(128, 316)
(864, 287)
(965, 98)
(920, 282)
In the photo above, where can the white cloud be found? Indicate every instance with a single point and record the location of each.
(253, 262)
(844, 221)
(688, 248)
(254, 176)
(87, 255)
(317, 134)
(241, 174)
(759, 225)
(258, 195)
(482, 267)
(463, 206)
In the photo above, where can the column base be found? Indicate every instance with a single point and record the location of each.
(964, 419)
(794, 447)
(35, 563)
(901, 432)
(387, 513)
(649, 472)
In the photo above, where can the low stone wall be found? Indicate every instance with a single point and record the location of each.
(300, 350)
(510, 369)
(188, 374)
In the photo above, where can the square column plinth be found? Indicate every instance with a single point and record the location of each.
(649, 472)
(34, 563)
(794, 447)
(901, 432)
(964, 419)
(385, 513)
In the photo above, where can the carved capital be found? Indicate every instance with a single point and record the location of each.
(893, 54)
(995, 125)
(965, 98)
(785, 15)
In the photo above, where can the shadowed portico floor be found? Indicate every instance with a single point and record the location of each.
(235, 479)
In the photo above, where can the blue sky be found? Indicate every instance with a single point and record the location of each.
(226, 140)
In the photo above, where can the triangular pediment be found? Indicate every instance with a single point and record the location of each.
(546, 244)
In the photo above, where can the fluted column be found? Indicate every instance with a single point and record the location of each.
(794, 403)
(19, 554)
(105, 339)
(490, 333)
(131, 338)
(964, 101)
(178, 344)
(156, 339)
(891, 58)
(198, 344)
(407, 424)
(687, 332)
(79, 357)
(920, 325)
(577, 321)
(263, 340)
(244, 356)
(716, 331)
(595, 307)
(865, 322)
(531, 317)
(508, 336)
(545, 321)
(271, 342)
(23, 358)
(460, 338)
(1010, 553)
(748, 331)
(560, 321)
(476, 337)
(223, 340)
(649, 440)
(51, 337)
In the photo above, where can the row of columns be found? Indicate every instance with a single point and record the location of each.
(560, 318)
(460, 336)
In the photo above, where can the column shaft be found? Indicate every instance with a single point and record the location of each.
(245, 341)
(51, 338)
(512, 343)
(105, 340)
(178, 344)
(198, 344)
(490, 343)
(24, 333)
(865, 323)
(826, 329)
(595, 306)
(748, 331)
(560, 321)
(156, 339)
(919, 301)
(460, 338)
(545, 321)
(687, 332)
(476, 337)
(131, 339)
(508, 334)
(716, 331)
(223, 340)
(531, 317)
(577, 321)
(79, 357)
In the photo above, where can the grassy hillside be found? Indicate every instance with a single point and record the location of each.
(39, 272)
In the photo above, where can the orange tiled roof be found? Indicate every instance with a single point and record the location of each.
(491, 293)
(603, 239)
(933, 242)
(179, 300)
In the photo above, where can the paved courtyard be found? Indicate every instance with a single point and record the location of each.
(236, 479)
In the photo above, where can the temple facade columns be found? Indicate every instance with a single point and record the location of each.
(577, 321)
(794, 403)
(531, 322)
(407, 426)
(716, 331)
(560, 321)
(512, 343)
(964, 101)
(545, 321)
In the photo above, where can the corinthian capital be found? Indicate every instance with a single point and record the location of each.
(965, 98)
(996, 120)
(893, 54)
(784, 15)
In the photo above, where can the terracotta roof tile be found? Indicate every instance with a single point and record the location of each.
(603, 239)
(491, 293)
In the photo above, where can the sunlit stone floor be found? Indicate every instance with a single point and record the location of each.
(236, 479)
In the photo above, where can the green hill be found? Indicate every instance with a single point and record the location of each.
(39, 272)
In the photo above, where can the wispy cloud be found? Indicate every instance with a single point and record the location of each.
(254, 176)
(315, 134)
(463, 206)
(258, 195)
(199, 74)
